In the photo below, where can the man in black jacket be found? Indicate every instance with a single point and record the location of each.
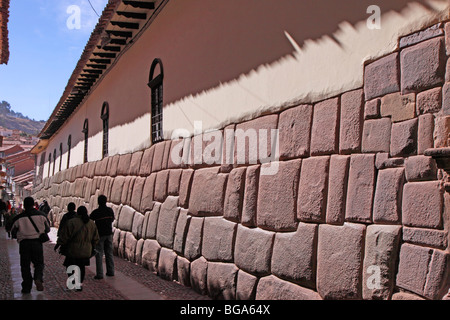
(71, 213)
(30, 247)
(104, 218)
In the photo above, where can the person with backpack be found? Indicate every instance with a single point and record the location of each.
(30, 228)
(78, 238)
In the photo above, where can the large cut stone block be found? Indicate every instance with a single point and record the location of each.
(399, 107)
(381, 254)
(404, 138)
(294, 255)
(193, 245)
(325, 128)
(312, 194)
(420, 168)
(249, 205)
(221, 280)
(339, 261)
(376, 135)
(361, 184)
(126, 218)
(146, 162)
(423, 65)
(199, 270)
(295, 132)
(150, 255)
(277, 197)
(234, 195)
(218, 239)
(181, 231)
(422, 204)
(337, 189)
(382, 77)
(207, 192)
(167, 222)
(388, 196)
(273, 288)
(253, 250)
(351, 122)
(147, 199)
(167, 264)
(246, 286)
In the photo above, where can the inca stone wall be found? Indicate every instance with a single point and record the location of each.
(355, 210)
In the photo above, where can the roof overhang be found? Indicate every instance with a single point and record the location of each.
(39, 147)
(120, 24)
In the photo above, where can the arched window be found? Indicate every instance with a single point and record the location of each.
(156, 85)
(86, 137)
(49, 163)
(105, 118)
(60, 155)
(69, 146)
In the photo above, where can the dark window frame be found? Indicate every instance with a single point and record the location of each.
(54, 161)
(86, 139)
(156, 86)
(49, 163)
(60, 155)
(105, 118)
(69, 147)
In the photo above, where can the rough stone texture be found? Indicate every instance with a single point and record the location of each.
(167, 264)
(135, 163)
(161, 182)
(173, 185)
(228, 149)
(253, 250)
(150, 255)
(388, 196)
(380, 258)
(147, 200)
(429, 101)
(199, 269)
(441, 131)
(312, 194)
(218, 239)
(295, 132)
(376, 135)
(246, 286)
(423, 65)
(127, 190)
(185, 187)
(339, 261)
(423, 271)
(184, 271)
(130, 247)
(146, 162)
(382, 77)
(193, 244)
(294, 255)
(372, 109)
(360, 188)
(446, 99)
(425, 132)
(137, 193)
(126, 218)
(207, 192)
(405, 296)
(399, 107)
(116, 190)
(138, 223)
(422, 204)
(273, 288)
(152, 222)
(221, 280)
(325, 128)
(167, 222)
(431, 32)
(123, 167)
(420, 168)
(250, 196)
(404, 138)
(181, 231)
(337, 189)
(158, 156)
(426, 237)
(247, 140)
(277, 197)
(351, 121)
(234, 195)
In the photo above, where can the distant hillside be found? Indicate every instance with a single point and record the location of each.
(16, 121)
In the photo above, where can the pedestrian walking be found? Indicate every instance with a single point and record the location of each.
(79, 237)
(104, 218)
(9, 217)
(28, 228)
(2, 211)
(45, 208)
(71, 213)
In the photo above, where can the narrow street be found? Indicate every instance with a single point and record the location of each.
(131, 282)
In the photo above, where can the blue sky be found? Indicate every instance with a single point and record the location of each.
(43, 52)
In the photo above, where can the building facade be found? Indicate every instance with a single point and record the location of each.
(264, 149)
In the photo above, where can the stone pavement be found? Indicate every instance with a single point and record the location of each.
(131, 282)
